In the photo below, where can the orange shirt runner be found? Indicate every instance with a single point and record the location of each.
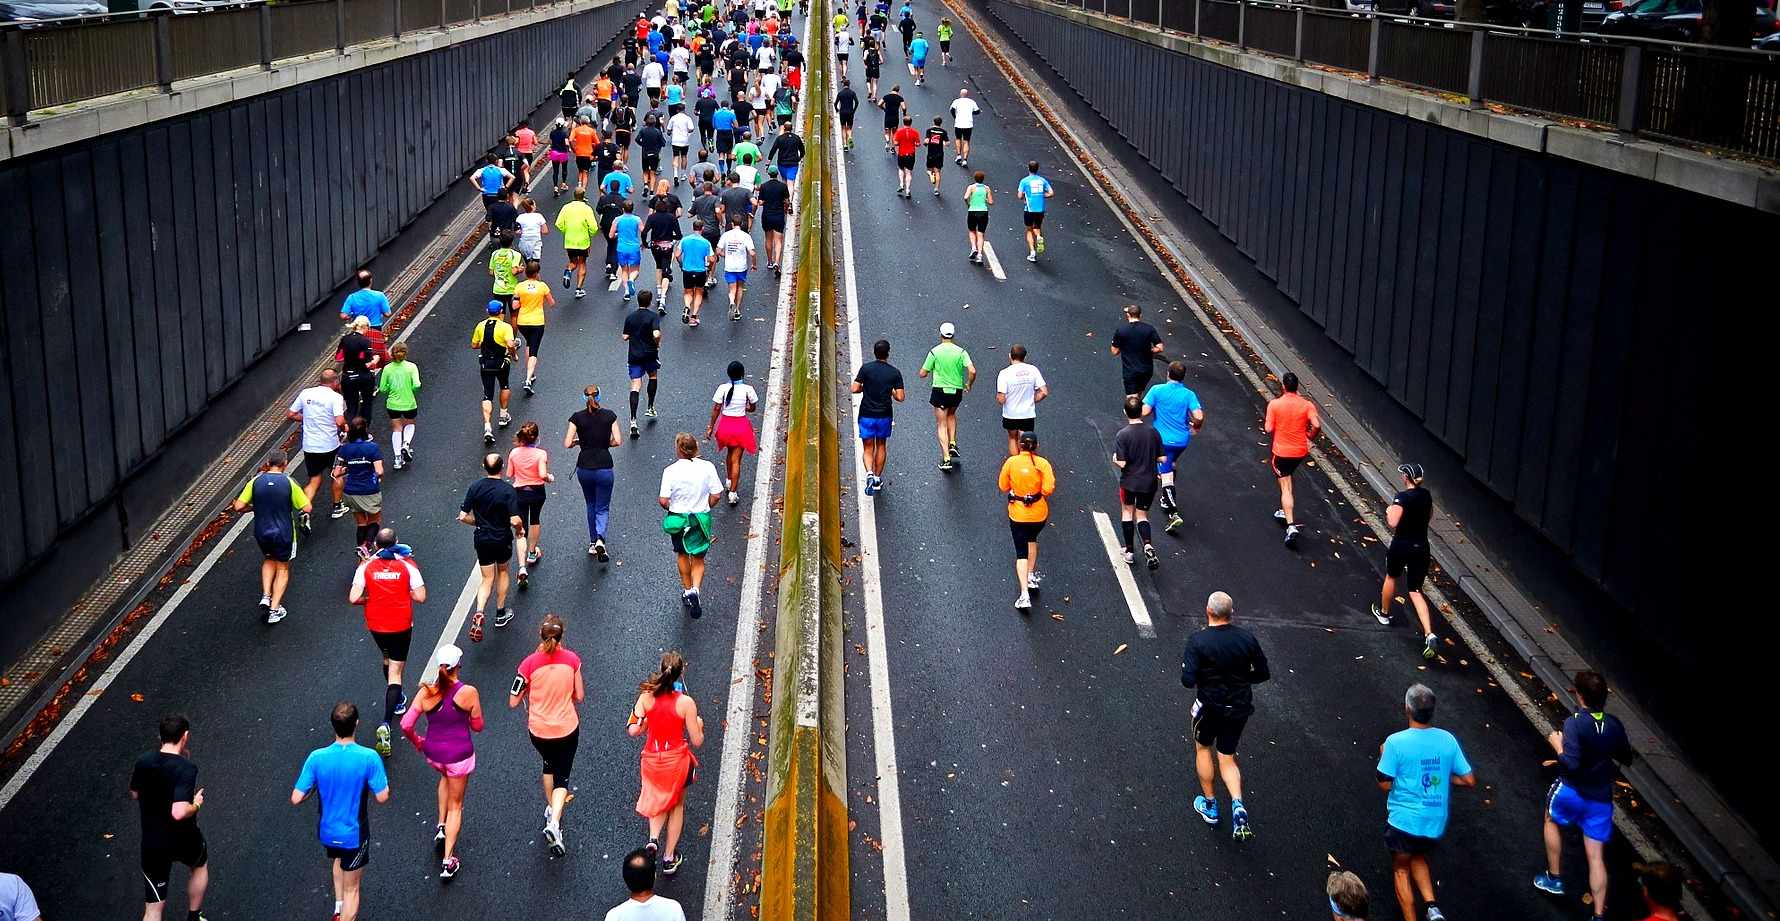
(1293, 421)
(582, 139)
(1027, 474)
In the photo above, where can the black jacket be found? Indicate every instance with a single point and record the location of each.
(1223, 662)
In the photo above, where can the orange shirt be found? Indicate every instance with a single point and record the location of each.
(772, 27)
(1290, 417)
(1027, 474)
(602, 89)
(582, 139)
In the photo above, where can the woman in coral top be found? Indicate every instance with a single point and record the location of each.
(669, 723)
(529, 466)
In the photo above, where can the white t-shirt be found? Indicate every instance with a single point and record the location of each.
(748, 175)
(1019, 382)
(680, 58)
(964, 112)
(681, 128)
(735, 245)
(652, 74)
(320, 407)
(531, 232)
(764, 57)
(843, 42)
(656, 908)
(760, 5)
(769, 85)
(688, 485)
(735, 398)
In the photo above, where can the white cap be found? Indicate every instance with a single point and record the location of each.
(947, 331)
(450, 656)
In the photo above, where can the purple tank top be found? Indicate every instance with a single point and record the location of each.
(448, 730)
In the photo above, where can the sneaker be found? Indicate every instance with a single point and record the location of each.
(530, 391)
(1239, 827)
(365, 551)
(1547, 883)
(448, 867)
(398, 462)
(958, 160)
(1279, 515)
(870, 488)
(954, 452)
(276, 614)
(1041, 243)
(304, 524)
(506, 419)
(580, 293)
(532, 557)
(1291, 535)
(945, 463)
(407, 455)
(1033, 578)
(1150, 558)
(1379, 615)
(634, 431)
(1428, 646)
(652, 847)
(694, 608)
(1173, 523)
(735, 313)
(1129, 556)
(487, 435)
(973, 257)
(439, 839)
(1435, 914)
(733, 498)
(1207, 809)
(671, 865)
(338, 511)
(568, 278)
(553, 838)
(383, 747)
(650, 412)
(1023, 604)
(402, 707)
(591, 551)
(503, 616)
(476, 633)
(599, 550)
(265, 605)
(525, 582)
(1031, 257)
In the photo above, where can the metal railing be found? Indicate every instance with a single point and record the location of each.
(57, 62)
(1711, 95)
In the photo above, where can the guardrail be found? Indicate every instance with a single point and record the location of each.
(1722, 97)
(56, 62)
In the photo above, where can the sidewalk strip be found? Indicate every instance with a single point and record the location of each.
(1140, 612)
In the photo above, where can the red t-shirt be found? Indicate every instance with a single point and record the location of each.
(907, 139)
(386, 585)
(1289, 416)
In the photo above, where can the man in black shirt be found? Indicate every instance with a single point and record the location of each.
(774, 198)
(1138, 346)
(892, 105)
(705, 108)
(609, 206)
(660, 232)
(650, 141)
(1137, 451)
(705, 207)
(1222, 661)
(503, 216)
(846, 102)
(605, 153)
(787, 152)
(738, 203)
(878, 382)
(491, 505)
(165, 785)
(935, 141)
(642, 336)
(1408, 515)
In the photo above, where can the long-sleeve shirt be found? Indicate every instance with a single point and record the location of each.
(1223, 662)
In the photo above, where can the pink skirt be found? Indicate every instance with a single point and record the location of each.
(462, 768)
(736, 432)
(559, 156)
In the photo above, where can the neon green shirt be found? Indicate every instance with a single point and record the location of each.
(504, 265)
(577, 224)
(945, 32)
(399, 382)
(947, 363)
(840, 21)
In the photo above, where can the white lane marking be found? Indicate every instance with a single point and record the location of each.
(738, 731)
(450, 281)
(460, 612)
(118, 664)
(994, 263)
(1115, 553)
(871, 588)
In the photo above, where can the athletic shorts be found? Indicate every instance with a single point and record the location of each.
(409, 414)
(1402, 842)
(1138, 383)
(681, 151)
(1568, 808)
(735, 278)
(393, 646)
(575, 254)
(1025, 534)
(905, 161)
(533, 336)
(692, 279)
(365, 504)
(1019, 425)
(936, 159)
(493, 552)
(946, 45)
(1137, 500)
(772, 222)
(945, 399)
(278, 551)
(494, 380)
(1410, 563)
(1033, 219)
(157, 865)
(352, 858)
(788, 173)
(871, 427)
(558, 754)
(664, 259)
(318, 464)
(584, 164)
(652, 162)
(1214, 728)
(961, 134)
(725, 141)
(1170, 457)
(976, 221)
(630, 258)
(531, 504)
(846, 119)
(1284, 467)
(638, 372)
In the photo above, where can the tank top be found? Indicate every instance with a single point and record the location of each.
(493, 354)
(448, 730)
(664, 729)
(977, 197)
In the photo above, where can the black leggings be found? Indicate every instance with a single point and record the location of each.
(559, 172)
(359, 391)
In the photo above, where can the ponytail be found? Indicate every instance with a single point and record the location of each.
(550, 634)
(672, 667)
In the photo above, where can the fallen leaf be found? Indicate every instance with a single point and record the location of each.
(137, 697)
(1056, 615)
(1122, 648)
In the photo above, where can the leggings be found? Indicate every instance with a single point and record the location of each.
(559, 172)
(596, 488)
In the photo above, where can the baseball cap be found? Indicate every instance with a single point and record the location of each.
(772, 171)
(450, 656)
(495, 307)
(947, 331)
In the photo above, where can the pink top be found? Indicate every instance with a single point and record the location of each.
(528, 139)
(526, 465)
(553, 685)
(664, 728)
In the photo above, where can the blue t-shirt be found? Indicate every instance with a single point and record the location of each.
(619, 176)
(341, 775)
(695, 253)
(490, 180)
(1420, 763)
(371, 305)
(918, 51)
(1172, 404)
(655, 40)
(360, 459)
(630, 233)
(755, 40)
(676, 94)
(723, 119)
(1032, 191)
(274, 497)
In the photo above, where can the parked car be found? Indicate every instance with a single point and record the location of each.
(1769, 42)
(28, 10)
(1673, 20)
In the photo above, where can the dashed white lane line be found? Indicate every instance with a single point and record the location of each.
(460, 612)
(1115, 553)
(994, 263)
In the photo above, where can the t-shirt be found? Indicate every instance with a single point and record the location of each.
(399, 381)
(843, 41)
(618, 177)
(551, 680)
(1019, 383)
(494, 504)
(504, 265)
(531, 230)
(1418, 510)
(1138, 445)
(1027, 474)
(159, 780)
(935, 140)
(629, 233)
(878, 381)
(1289, 418)
(1594, 745)
(892, 103)
(530, 296)
(1136, 342)
(681, 128)
(594, 430)
(695, 253)
(525, 464)
(662, 229)
(737, 200)
(582, 140)
(274, 496)
(774, 194)
(576, 223)
(787, 149)
(503, 216)
(947, 363)
(387, 586)
(1172, 405)
(1032, 190)
(1222, 663)
(321, 408)
(918, 51)
(364, 302)
(360, 460)
(641, 326)
(491, 179)
(18, 904)
(688, 484)
(1420, 764)
(846, 101)
(655, 908)
(907, 139)
(735, 398)
(650, 140)
(341, 774)
(736, 246)
(723, 119)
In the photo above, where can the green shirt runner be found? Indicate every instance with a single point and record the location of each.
(945, 32)
(977, 197)
(505, 265)
(946, 362)
(399, 381)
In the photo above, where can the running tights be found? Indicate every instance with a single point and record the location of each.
(559, 172)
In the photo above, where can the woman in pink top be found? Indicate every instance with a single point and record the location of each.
(526, 139)
(549, 681)
(668, 720)
(529, 467)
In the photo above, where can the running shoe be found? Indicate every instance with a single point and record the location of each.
(1033, 578)
(487, 435)
(1239, 827)
(650, 412)
(671, 865)
(652, 847)
(448, 867)
(553, 838)
(1173, 523)
(1291, 535)
(590, 550)
(276, 614)
(506, 419)
(958, 160)
(580, 293)
(532, 557)
(503, 616)
(439, 840)
(304, 523)
(599, 550)
(398, 461)
(945, 463)
(634, 431)
(974, 257)
(686, 315)
(1129, 556)
(383, 746)
(1023, 604)
(954, 452)
(568, 278)
(529, 388)
(338, 511)
(476, 620)
(694, 608)
(936, 191)
(964, 162)
(1207, 809)
(1279, 515)
(1031, 257)
(402, 707)
(1428, 646)
(1379, 615)
(1547, 883)
(265, 605)
(525, 582)
(407, 454)
(735, 313)
(1435, 914)
(1150, 559)
(733, 498)
(1041, 242)
(661, 303)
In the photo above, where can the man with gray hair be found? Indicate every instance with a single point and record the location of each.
(1415, 766)
(1222, 662)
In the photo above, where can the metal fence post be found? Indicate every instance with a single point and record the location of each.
(265, 36)
(17, 64)
(1298, 34)
(1159, 4)
(1242, 24)
(395, 18)
(444, 16)
(1372, 50)
(1131, 10)
(1195, 18)
(1474, 76)
(1631, 86)
(475, 10)
(164, 52)
(339, 26)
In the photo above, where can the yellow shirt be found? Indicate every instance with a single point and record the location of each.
(503, 334)
(530, 296)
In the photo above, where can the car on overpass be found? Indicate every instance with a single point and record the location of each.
(37, 10)
(1675, 20)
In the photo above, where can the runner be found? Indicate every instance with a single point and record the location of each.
(682, 128)
(164, 785)
(730, 426)
(917, 50)
(785, 100)
(608, 208)
(1027, 480)
(747, 159)
(1417, 769)
(388, 585)
(595, 430)
(532, 297)
(1019, 388)
(559, 156)
(661, 234)
(577, 223)
(697, 257)
(893, 106)
(1408, 515)
(773, 198)
(1222, 664)
(359, 359)
(953, 374)
(1033, 190)
(340, 775)
(843, 42)
(627, 243)
(667, 719)
(738, 257)
(1589, 749)
(787, 151)
(1137, 452)
(650, 140)
(399, 383)
(493, 341)
(514, 163)
(723, 123)
(569, 97)
(705, 108)
(491, 180)
(1178, 415)
(906, 26)
(453, 712)
(689, 490)
(358, 474)
(529, 467)
(1138, 346)
(322, 411)
(878, 383)
(642, 337)
(624, 120)
(935, 142)
(533, 228)
(1293, 422)
(276, 500)
(504, 266)
(549, 681)
(874, 68)
(846, 103)
(945, 43)
(582, 138)
(977, 199)
(906, 140)
(492, 506)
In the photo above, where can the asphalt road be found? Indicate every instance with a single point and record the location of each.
(258, 695)
(1045, 764)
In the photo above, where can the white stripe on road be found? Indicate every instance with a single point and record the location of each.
(994, 263)
(460, 612)
(871, 587)
(118, 665)
(1115, 552)
(439, 295)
